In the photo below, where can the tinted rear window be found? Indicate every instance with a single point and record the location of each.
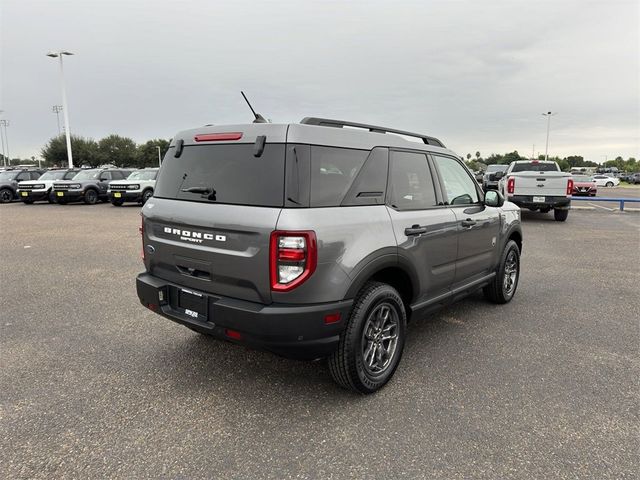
(229, 172)
(534, 167)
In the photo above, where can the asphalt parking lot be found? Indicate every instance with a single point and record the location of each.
(95, 386)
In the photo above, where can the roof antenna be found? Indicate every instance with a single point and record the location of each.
(259, 118)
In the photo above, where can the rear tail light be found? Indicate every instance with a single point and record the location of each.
(511, 185)
(141, 230)
(569, 187)
(293, 256)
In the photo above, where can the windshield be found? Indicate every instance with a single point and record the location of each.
(534, 167)
(143, 175)
(53, 175)
(582, 178)
(87, 175)
(4, 176)
(496, 168)
(224, 174)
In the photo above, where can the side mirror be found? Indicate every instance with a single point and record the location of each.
(493, 198)
(498, 175)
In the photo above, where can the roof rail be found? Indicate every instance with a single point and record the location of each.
(327, 122)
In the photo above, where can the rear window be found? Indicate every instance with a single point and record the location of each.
(224, 174)
(534, 167)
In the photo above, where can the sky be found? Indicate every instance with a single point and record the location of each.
(476, 74)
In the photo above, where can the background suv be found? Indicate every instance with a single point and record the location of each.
(41, 189)
(138, 187)
(312, 240)
(9, 180)
(89, 186)
(488, 180)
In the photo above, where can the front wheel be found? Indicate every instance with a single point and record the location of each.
(560, 215)
(609, 184)
(90, 197)
(503, 286)
(146, 196)
(371, 345)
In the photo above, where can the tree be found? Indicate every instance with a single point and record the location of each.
(84, 150)
(468, 156)
(147, 153)
(477, 155)
(117, 150)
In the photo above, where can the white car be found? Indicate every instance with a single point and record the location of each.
(30, 191)
(605, 181)
(138, 187)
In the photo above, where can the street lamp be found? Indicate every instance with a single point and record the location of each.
(159, 156)
(57, 109)
(548, 115)
(5, 142)
(65, 110)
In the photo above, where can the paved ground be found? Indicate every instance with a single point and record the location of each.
(92, 385)
(625, 191)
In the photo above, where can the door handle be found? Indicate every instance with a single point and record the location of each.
(468, 223)
(415, 230)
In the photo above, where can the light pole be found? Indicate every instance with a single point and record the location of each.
(159, 156)
(57, 109)
(5, 142)
(548, 115)
(65, 110)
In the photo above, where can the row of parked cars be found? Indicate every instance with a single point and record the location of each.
(90, 186)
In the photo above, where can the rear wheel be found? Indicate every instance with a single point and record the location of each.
(503, 286)
(371, 345)
(91, 197)
(6, 195)
(560, 215)
(609, 184)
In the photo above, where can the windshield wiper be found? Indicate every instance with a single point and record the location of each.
(207, 192)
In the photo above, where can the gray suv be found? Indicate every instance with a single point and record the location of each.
(312, 240)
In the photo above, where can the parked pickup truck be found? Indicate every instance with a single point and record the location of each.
(537, 185)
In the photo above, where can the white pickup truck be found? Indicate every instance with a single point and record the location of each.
(537, 185)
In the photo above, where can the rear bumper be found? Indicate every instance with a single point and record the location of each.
(294, 331)
(125, 196)
(526, 201)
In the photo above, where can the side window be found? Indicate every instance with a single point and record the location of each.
(116, 175)
(23, 176)
(459, 186)
(332, 173)
(410, 182)
(105, 176)
(35, 175)
(369, 186)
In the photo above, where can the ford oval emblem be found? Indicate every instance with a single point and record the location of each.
(151, 249)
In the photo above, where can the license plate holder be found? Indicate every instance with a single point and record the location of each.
(117, 194)
(60, 194)
(24, 194)
(539, 199)
(193, 304)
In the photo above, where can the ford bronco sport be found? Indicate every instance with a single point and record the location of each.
(314, 240)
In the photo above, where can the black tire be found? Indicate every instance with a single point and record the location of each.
(146, 195)
(359, 364)
(560, 215)
(609, 184)
(117, 203)
(90, 196)
(6, 195)
(51, 197)
(501, 290)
